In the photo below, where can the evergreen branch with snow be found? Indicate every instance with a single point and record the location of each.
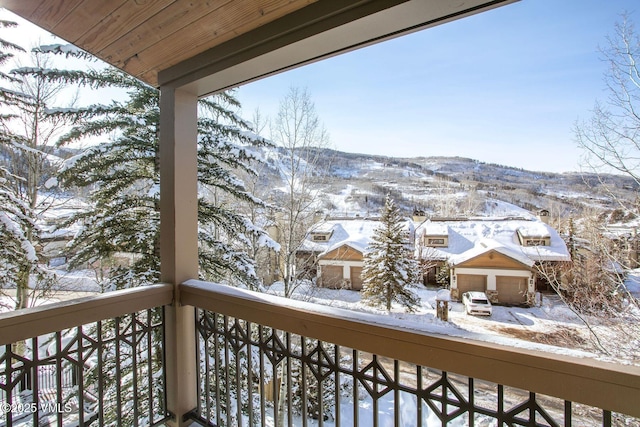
(68, 50)
(94, 79)
(124, 176)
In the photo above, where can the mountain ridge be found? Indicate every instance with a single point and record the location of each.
(356, 183)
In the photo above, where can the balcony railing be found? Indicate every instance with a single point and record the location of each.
(93, 361)
(264, 360)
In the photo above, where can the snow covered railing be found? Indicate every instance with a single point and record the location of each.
(262, 360)
(24, 324)
(90, 361)
(262, 356)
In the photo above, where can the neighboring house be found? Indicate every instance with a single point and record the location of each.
(53, 248)
(54, 236)
(339, 245)
(498, 256)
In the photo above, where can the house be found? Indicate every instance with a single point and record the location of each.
(500, 256)
(339, 245)
(54, 235)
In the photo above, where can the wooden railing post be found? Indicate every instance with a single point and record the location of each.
(178, 241)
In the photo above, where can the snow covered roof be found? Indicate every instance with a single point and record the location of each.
(58, 210)
(474, 236)
(534, 229)
(435, 229)
(353, 232)
(359, 244)
(622, 231)
(486, 245)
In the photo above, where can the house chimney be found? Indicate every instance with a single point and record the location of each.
(543, 215)
(318, 216)
(419, 215)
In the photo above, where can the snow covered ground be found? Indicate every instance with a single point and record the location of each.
(551, 326)
(71, 284)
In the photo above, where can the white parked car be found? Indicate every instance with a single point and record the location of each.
(476, 303)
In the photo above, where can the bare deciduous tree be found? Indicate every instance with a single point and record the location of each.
(258, 184)
(300, 135)
(610, 140)
(445, 204)
(592, 286)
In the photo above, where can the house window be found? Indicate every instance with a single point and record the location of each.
(319, 238)
(535, 242)
(435, 241)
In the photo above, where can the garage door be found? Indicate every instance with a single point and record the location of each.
(471, 282)
(332, 276)
(511, 290)
(356, 280)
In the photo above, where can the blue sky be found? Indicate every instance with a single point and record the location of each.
(506, 86)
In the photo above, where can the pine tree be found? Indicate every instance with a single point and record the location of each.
(121, 169)
(390, 272)
(443, 277)
(13, 216)
(123, 174)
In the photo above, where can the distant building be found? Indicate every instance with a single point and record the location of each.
(498, 256)
(339, 245)
(54, 236)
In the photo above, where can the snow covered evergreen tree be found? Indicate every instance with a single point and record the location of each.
(120, 228)
(443, 277)
(13, 213)
(23, 135)
(123, 173)
(390, 271)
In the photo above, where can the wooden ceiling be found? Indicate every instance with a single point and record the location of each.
(186, 42)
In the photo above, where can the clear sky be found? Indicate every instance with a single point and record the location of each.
(505, 86)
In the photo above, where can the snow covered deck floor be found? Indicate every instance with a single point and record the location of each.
(262, 359)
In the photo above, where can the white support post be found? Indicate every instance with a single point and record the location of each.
(179, 241)
(491, 281)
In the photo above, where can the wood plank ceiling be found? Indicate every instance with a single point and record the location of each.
(144, 36)
(196, 38)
